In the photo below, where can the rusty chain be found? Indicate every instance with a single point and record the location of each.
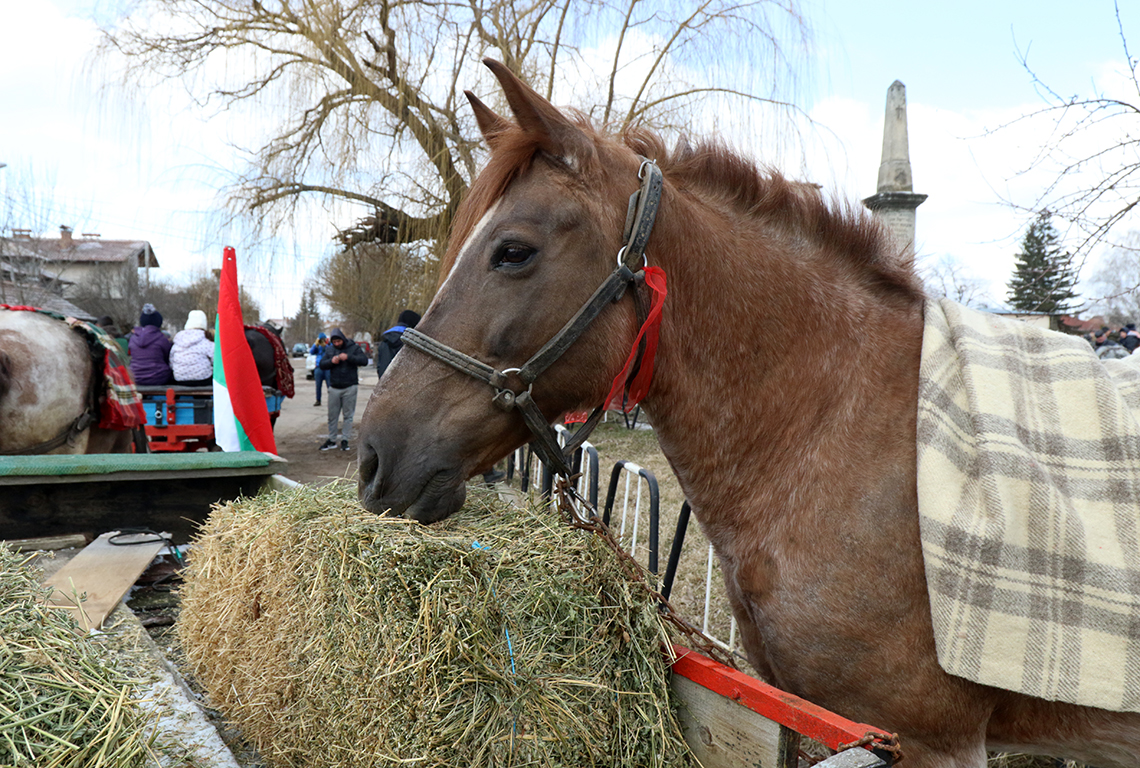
(879, 742)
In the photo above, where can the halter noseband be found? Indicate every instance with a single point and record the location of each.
(640, 215)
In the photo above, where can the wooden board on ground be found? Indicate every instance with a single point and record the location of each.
(103, 572)
(47, 543)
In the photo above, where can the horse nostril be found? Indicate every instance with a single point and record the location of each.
(368, 470)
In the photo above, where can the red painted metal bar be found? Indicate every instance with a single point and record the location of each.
(798, 714)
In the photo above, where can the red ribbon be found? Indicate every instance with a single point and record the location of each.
(650, 330)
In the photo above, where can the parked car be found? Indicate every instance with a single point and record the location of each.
(300, 350)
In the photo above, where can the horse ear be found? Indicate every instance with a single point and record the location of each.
(541, 120)
(490, 124)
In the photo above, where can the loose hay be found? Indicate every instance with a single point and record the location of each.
(333, 637)
(61, 704)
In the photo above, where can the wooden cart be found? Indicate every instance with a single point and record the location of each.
(182, 418)
(90, 494)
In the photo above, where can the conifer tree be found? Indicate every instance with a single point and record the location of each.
(1044, 276)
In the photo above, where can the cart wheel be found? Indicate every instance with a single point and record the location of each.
(214, 448)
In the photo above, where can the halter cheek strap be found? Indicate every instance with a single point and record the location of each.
(640, 215)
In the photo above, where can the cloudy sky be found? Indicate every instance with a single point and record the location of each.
(126, 167)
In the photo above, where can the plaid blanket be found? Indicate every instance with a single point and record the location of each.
(1029, 508)
(120, 405)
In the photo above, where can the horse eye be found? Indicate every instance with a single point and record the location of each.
(514, 254)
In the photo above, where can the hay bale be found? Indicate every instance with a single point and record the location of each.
(333, 637)
(62, 704)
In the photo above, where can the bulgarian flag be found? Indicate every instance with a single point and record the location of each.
(241, 417)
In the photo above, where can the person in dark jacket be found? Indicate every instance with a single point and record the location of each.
(1129, 337)
(392, 339)
(149, 349)
(320, 375)
(341, 357)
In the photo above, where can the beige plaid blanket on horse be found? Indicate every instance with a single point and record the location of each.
(1029, 508)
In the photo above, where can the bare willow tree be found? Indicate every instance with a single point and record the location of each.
(1097, 137)
(367, 285)
(359, 102)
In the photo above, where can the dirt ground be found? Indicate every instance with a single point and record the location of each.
(302, 427)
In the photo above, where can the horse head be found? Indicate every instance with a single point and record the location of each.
(533, 240)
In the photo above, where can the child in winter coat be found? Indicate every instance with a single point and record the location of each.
(192, 355)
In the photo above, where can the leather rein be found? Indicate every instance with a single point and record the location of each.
(640, 215)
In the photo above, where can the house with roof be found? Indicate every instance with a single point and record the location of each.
(84, 265)
(76, 275)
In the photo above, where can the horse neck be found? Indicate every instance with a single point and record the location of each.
(775, 351)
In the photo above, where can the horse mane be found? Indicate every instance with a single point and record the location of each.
(714, 169)
(756, 191)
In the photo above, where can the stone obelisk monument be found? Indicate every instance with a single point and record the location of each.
(895, 201)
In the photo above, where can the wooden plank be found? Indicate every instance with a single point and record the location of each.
(725, 734)
(48, 543)
(104, 572)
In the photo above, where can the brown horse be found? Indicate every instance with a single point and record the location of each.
(46, 372)
(797, 450)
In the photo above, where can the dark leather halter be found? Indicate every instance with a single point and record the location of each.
(640, 215)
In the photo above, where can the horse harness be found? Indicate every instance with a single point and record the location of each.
(640, 215)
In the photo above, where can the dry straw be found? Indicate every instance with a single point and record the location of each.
(61, 704)
(333, 637)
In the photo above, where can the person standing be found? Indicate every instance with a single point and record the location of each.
(341, 358)
(320, 375)
(150, 349)
(392, 339)
(1129, 338)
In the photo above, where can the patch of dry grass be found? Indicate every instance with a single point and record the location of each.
(62, 704)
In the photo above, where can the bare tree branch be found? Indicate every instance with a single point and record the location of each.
(355, 102)
(1076, 148)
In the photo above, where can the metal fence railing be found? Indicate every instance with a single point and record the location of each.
(635, 518)
(627, 528)
(525, 469)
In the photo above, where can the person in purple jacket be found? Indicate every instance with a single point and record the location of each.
(149, 349)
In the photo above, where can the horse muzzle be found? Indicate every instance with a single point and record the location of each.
(401, 485)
